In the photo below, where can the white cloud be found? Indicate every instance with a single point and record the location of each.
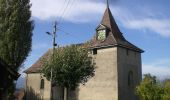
(144, 19)
(160, 68)
(160, 26)
(90, 10)
(78, 11)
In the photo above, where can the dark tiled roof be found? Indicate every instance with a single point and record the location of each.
(114, 36)
(37, 66)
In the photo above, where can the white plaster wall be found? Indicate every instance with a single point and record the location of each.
(104, 85)
(33, 85)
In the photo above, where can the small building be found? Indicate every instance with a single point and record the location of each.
(36, 86)
(118, 71)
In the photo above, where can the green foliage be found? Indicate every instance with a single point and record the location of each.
(70, 65)
(166, 86)
(151, 89)
(10, 91)
(15, 31)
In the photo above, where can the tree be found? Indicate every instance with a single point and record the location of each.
(166, 86)
(15, 32)
(149, 89)
(71, 65)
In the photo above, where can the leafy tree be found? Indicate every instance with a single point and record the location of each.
(152, 89)
(166, 86)
(15, 32)
(149, 89)
(71, 65)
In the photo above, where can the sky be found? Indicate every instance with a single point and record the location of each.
(144, 23)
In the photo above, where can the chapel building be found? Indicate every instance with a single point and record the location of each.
(117, 74)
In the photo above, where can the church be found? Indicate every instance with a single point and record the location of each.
(118, 72)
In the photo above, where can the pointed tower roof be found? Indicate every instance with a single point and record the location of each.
(110, 23)
(113, 37)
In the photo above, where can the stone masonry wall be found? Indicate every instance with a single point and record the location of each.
(128, 62)
(33, 87)
(103, 86)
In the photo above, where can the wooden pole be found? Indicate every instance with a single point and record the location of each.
(65, 93)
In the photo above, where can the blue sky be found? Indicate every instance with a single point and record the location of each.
(144, 23)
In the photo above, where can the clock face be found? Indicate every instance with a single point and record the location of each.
(101, 34)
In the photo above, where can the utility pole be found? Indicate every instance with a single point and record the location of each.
(53, 34)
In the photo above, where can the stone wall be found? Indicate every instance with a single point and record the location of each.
(33, 91)
(104, 85)
(129, 62)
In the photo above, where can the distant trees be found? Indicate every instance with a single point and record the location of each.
(166, 86)
(15, 32)
(151, 89)
(70, 65)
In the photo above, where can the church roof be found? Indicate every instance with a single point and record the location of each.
(114, 36)
(37, 66)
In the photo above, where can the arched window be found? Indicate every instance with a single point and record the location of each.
(130, 79)
(42, 84)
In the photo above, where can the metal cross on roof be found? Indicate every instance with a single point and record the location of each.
(107, 3)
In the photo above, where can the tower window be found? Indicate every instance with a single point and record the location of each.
(130, 79)
(94, 51)
(42, 84)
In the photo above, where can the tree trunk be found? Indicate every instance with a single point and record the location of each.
(65, 93)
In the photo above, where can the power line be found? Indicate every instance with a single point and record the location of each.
(66, 33)
(67, 5)
(64, 10)
(71, 5)
(60, 10)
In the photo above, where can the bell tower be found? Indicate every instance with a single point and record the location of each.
(118, 64)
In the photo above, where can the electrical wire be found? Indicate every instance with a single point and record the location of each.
(64, 10)
(70, 7)
(66, 33)
(67, 5)
(60, 10)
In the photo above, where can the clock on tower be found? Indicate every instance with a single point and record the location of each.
(101, 34)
